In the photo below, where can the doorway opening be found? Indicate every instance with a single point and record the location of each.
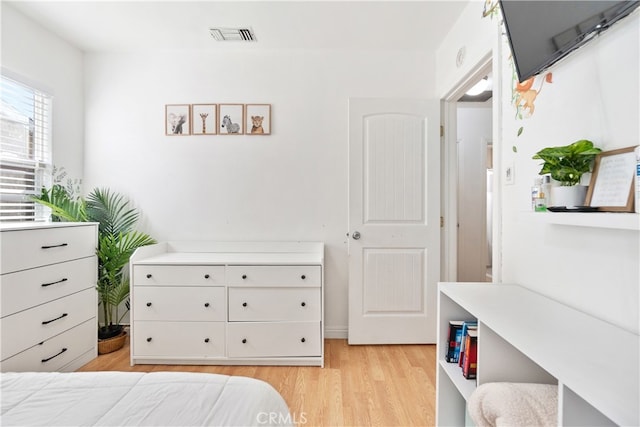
(470, 236)
(474, 143)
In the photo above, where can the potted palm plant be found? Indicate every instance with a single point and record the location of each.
(117, 240)
(566, 165)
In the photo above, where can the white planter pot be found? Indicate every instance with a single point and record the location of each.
(569, 196)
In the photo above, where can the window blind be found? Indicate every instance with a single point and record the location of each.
(25, 149)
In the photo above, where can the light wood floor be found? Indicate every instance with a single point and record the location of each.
(385, 385)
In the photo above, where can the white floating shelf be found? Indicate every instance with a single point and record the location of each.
(614, 220)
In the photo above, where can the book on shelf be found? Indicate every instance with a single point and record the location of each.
(466, 327)
(455, 340)
(470, 363)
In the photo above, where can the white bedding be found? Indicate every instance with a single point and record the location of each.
(139, 399)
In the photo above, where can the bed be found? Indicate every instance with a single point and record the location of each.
(139, 399)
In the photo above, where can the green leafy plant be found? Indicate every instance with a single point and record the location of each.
(117, 240)
(64, 207)
(568, 163)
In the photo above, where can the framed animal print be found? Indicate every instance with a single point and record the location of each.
(177, 119)
(258, 119)
(230, 119)
(205, 118)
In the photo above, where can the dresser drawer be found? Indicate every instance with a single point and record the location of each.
(154, 275)
(178, 339)
(286, 275)
(27, 328)
(24, 289)
(188, 303)
(274, 304)
(286, 339)
(22, 249)
(55, 352)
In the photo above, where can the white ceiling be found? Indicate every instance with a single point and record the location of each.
(99, 26)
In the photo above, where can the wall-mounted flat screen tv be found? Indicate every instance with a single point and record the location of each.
(542, 32)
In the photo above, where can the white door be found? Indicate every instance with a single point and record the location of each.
(394, 220)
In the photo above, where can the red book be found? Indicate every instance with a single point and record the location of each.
(466, 326)
(470, 355)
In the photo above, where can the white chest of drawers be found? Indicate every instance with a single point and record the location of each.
(228, 303)
(48, 302)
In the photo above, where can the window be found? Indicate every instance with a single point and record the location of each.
(25, 149)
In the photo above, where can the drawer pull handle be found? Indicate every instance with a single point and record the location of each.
(244, 304)
(206, 304)
(44, 285)
(244, 340)
(206, 340)
(206, 276)
(303, 304)
(303, 340)
(148, 304)
(149, 339)
(303, 277)
(244, 276)
(61, 245)
(54, 356)
(149, 276)
(46, 322)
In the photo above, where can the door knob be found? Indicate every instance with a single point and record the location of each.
(355, 235)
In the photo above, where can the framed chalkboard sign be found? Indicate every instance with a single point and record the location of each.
(611, 187)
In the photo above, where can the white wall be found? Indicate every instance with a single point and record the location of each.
(593, 95)
(291, 185)
(49, 63)
(468, 43)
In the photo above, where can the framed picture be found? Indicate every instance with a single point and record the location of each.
(611, 186)
(258, 119)
(204, 119)
(177, 119)
(230, 119)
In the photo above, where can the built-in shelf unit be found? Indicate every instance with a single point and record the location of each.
(526, 337)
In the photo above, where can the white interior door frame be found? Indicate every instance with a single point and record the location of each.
(450, 169)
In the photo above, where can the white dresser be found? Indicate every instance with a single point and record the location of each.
(48, 301)
(258, 303)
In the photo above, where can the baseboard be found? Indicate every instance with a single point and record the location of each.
(336, 333)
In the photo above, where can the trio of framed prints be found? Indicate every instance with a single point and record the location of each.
(217, 119)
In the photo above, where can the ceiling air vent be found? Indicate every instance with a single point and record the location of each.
(233, 34)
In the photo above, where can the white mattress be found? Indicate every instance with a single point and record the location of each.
(139, 399)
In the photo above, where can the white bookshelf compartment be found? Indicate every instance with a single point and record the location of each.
(526, 337)
(513, 366)
(575, 411)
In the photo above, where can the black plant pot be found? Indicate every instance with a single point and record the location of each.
(105, 332)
